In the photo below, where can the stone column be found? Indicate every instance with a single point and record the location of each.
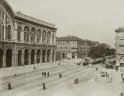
(22, 36)
(51, 39)
(22, 33)
(22, 58)
(41, 40)
(4, 33)
(54, 39)
(41, 57)
(51, 56)
(29, 58)
(54, 56)
(35, 57)
(46, 57)
(14, 59)
(4, 59)
(14, 33)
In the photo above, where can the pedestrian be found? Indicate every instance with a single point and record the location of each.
(42, 73)
(121, 94)
(76, 81)
(116, 69)
(44, 86)
(48, 74)
(34, 68)
(96, 68)
(45, 74)
(16, 75)
(122, 79)
(121, 74)
(9, 86)
(60, 75)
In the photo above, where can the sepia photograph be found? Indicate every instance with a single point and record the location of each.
(61, 47)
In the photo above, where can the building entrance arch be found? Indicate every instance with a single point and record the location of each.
(33, 56)
(63, 55)
(53, 56)
(43, 55)
(9, 58)
(73, 55)
(26, 57)
(48, 56)
(1, 58)
(38, 56)
(19, 57)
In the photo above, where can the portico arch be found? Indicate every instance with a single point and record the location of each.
(43, 55)
(38, 55)
(9, 58)
(33, 56)
(26, 56)
(73, 55)
(48, 55)
(53, 56)
(63, 55)
(1, 58)
(19, 57)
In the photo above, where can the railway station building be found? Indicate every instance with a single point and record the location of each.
(24, 40)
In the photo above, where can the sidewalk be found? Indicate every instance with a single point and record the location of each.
(4, 72)
(93, 88)
(24, 69)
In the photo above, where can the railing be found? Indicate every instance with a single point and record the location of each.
(19, 14)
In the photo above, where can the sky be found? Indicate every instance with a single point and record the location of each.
(95, 20)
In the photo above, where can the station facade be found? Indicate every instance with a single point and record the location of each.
(24, 40)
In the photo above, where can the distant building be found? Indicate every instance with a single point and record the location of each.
(120, 47)
(71, 47)
(24, 40)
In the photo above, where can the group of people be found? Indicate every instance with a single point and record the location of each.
(45, 74)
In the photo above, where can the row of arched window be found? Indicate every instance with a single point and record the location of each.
(32, 35)
(35, 36)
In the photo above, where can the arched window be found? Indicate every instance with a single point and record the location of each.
(0, 13)
(19, 33)
(53, 38)
(38, 36)
(26, 33)
(48, 37)
(32, 35)
(44, 37)
(8, 32)
(5, 26)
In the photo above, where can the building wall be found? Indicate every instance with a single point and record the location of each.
(24, 41)
(120, 47)
(67, 49)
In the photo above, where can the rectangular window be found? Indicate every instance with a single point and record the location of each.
(6, 19)
(0, 13)
(121, 45)
(25, 36)
(0, 31)
(3, 16)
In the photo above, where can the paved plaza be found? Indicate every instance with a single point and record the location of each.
(31, 83)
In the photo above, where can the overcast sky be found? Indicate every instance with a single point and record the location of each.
(89, 19)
